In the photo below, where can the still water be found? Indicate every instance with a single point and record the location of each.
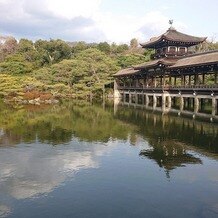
(82, 160)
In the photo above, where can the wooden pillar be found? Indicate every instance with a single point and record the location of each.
(143, 99)
(196, 105)
(202, 104)
(189, 80)
(196, 79)
(170, 80)
(188, 102)
(155, 82)
(163, 100)
(215, 77)
(164, 80)
(146, 100)
(154, 101)
(117, 93)
(146, 81)
(152, 81)
(169, 101)
(203, 78)
(182, 80)
(181, 103)
(136, 82)
(214, 106)
(136, 98)
(130, 98)
(175, 81)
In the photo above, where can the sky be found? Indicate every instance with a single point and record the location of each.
(106, 20)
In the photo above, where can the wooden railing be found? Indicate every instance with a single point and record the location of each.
(166, 87)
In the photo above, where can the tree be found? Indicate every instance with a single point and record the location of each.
(122, 48)
(132, 59)
(25, 45)
(53, 51)
(79, 46)
(104, 47)
(8, 45)
(85, 74)
(16, 64)
(134, 43)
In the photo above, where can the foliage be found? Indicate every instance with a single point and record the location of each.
(8, 46)
(104, 47)
(16, 64)
(54, 51)
(131, 59)
(134, 43)
(89, 71)
(68, 69)
(16, 84)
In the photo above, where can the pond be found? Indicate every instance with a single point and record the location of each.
(79, 159)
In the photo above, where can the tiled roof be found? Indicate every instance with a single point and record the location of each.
(127, 71)
(174, 36)
(162, 61)
(197, 59)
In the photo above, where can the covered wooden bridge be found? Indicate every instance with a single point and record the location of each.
(175, 72)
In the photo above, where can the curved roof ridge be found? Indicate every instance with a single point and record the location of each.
(173, 30)
(173, 35)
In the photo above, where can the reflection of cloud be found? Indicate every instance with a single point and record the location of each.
(28, 172)
(4, 210)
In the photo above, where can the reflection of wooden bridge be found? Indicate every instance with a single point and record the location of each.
(170, 128)
(173, 140)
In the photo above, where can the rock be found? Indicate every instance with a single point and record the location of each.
(48, 101)
(31, 102)
(25, 102)
(55, 101)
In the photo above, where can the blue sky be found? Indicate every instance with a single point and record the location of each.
(106, 20)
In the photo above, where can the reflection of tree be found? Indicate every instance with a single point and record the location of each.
(170, 155)
(58, 124)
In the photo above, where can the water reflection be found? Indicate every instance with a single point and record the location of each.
(58, 124)
(170, 156)
(27, 173)
(43, 148)
(172, 138)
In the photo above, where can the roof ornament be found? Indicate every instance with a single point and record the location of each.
(171, 24)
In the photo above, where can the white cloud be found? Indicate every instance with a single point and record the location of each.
(76, 20)
(123, 28)
(70, 9)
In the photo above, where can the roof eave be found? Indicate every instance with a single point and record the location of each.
(192, 65)
(152, 44)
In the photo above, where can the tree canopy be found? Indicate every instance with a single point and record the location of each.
(77, 69)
